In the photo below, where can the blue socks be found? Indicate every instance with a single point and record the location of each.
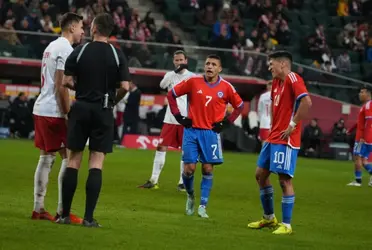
(188, 181)
(205, 188)
(266, 196)
(358, 176)
(368, 167)
(287, 208)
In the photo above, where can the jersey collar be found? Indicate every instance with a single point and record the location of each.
(212, 85)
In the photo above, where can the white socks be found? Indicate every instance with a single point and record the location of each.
(120, 132)
(181, 168)
(269, 216)
(41, 178)
(60, 179)
(159, 161)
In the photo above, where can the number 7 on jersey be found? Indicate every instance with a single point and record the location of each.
(209, 99)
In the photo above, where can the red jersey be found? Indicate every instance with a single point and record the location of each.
(286, 96)
(364, 125)
(207, 102)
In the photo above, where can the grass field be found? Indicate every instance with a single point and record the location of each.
(328, 215)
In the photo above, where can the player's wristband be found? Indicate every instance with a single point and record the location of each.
(292, 124)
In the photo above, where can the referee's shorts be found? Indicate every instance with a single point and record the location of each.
(90, 120)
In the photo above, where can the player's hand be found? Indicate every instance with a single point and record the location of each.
(181, 67)
(286, 133)
(219, 126)
(183, 120)
(361, 141)
(66, 119)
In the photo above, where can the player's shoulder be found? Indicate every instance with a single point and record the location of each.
(227, 84)
(367, 105)
(195, 78)
(265, 95)
(293, 77)
(169, 73)
(61, 44)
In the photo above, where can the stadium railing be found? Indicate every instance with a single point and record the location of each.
(235, 62)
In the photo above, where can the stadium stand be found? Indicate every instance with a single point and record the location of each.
(331, 36)
(314, 31)
(324, 36)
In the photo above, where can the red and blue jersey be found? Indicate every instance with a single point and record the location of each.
(207, 101)
(364, 125)
(286, 96)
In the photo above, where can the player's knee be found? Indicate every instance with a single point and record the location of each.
(75, 159)
(189, 169)
(261, 175)
(47, 160)
(161, 148)
(358, 163)
(63, 153)
(285, 183)
(96, 159)
(257, 176)
(207, 169)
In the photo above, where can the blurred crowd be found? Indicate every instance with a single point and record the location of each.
(315, 141)
(43, 16)
(264, 25)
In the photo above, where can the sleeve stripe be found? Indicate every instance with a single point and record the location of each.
(301, 95)
(241, 104)
(292, 77)
(174, 92)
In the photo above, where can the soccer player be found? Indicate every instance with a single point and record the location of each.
(208, 96)
(264, 113)
(363, 139)
(50, 114)
(291, 103)
(172, 132)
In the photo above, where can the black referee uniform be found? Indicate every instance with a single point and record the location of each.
(98, 68)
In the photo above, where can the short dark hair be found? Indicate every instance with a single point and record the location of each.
(104, 24)
(214, 56)
(366, 88)
(281, 54)
(180, 52)
(69, 18)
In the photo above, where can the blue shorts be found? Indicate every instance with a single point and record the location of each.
(278, 158)
(201, 145)
(362, 150)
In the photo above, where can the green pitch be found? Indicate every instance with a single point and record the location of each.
(327, 215)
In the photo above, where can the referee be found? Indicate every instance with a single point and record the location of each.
(97, 67)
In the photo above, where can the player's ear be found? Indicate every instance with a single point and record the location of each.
(219, 69)
(72, 27)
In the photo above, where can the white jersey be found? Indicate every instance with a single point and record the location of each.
(264, 110)
(170, 80)
(54, 59)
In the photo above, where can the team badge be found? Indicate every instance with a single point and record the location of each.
(220, 94)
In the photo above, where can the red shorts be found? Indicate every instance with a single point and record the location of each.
(171, 135)
(50, 133)
(264, 133)
(119, 118)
